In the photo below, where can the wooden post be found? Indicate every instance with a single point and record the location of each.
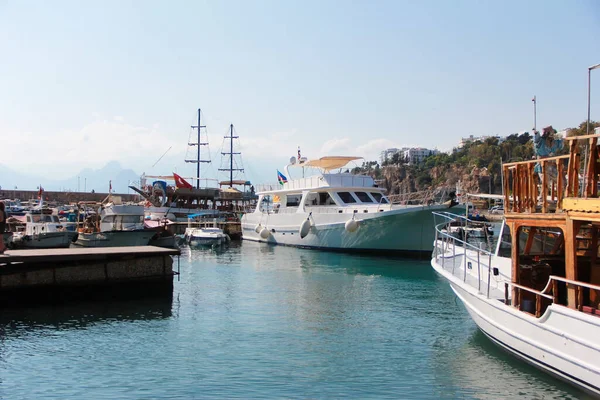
(555, 291)
(515, 176)
(593, 167)
(572, 229)
(560, 190)
(532, 187)
(506, 175)
(514, 230)
(544, 186)
(573, 172)
(538, 305)
(576, 175)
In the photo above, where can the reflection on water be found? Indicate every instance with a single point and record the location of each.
(491, 373)
(21, 320)
(253, 320)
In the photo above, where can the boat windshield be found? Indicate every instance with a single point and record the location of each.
(347, 197)
(364, 197)
(379, 198)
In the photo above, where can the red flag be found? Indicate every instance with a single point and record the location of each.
(40, 192)
(180, 182)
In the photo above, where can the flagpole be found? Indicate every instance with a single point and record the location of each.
(534, 112)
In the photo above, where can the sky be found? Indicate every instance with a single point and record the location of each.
(85, 83)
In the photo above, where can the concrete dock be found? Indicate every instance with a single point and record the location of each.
(60, 274)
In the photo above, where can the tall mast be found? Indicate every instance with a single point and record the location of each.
(231, 158)
(199, 143)
(231, 154)
(198, 165)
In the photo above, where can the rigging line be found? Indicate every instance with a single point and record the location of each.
(160, 158)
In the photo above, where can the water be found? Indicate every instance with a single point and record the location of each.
(258, 321)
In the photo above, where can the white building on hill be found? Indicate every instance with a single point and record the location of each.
(412, 155)
(416, 155)
(472, 138)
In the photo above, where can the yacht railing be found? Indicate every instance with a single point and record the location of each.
(443, 236)
(550, 292)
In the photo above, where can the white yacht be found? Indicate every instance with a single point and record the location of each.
(338, 210)
(537, 295)
(116, 224)
(42, 230)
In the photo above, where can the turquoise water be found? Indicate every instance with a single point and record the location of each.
(258, 321)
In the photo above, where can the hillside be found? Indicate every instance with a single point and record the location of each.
(477, 165)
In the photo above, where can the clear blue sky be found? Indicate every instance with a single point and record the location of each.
(83, 83)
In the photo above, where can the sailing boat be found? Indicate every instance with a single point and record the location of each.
(232, 199)
(176, 203)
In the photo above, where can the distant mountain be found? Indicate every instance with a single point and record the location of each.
(86, 180)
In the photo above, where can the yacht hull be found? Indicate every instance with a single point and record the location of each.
(49, 240)
(562, 342)
(408, 230)
(114, 239)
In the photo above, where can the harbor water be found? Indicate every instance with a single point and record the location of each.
(260, 321)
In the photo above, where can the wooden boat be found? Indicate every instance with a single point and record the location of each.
(541, 302)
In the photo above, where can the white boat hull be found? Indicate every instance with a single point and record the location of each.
(114, 239)
(408, 229)
(563, 342)
(49, 240)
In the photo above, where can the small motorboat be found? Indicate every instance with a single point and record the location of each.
(205, 237)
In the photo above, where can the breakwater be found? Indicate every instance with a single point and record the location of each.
(63, 197)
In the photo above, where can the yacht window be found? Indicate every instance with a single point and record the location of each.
(379, 198)
(325, 199)
(364, 197)
(109, 219)
(346, 197)
(312, 199)
(293, 200)
(133, 219)
(28, 218)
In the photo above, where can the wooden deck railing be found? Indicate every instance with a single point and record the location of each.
(526, 191)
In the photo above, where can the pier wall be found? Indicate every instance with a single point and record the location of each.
(63, 197)
(36, 275)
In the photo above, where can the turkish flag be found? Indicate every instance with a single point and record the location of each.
(180, 182)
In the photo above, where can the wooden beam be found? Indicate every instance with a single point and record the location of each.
(529, 243)
(571, 138)
(560, 184)
(535, 161)
(515, 178)
(544, 189)
(571, 258)
(514, 227)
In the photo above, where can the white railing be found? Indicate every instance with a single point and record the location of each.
(443, 236)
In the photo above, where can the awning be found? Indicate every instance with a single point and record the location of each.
(329, 163)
